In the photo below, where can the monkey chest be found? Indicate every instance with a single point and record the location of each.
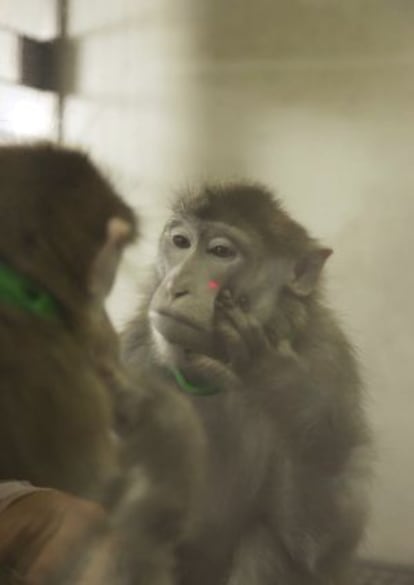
(240, 446)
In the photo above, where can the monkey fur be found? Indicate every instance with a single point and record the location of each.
(63, 230)
(235, 319)
(56, 413)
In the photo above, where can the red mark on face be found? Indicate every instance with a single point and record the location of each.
(213, 284)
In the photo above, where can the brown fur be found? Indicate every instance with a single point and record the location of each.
(56, 412)
(63, 390)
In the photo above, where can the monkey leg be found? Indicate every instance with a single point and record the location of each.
(260, 560)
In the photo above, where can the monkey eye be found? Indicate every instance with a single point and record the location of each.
(222, 251)
(181, 241)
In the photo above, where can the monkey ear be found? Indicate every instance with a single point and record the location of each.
(306, 271)
(105, 265)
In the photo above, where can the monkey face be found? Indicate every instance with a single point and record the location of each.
(197, 261)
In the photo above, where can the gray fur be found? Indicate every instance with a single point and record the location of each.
(288, 446)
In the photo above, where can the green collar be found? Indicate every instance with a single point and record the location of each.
(21, 291)
(189, 388)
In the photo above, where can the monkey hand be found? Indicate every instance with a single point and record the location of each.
(216, 372)
(241, 343)
(244, 341)
(41, 530)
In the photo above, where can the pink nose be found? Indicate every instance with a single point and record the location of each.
(213, 284)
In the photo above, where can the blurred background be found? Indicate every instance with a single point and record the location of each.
(312, 97)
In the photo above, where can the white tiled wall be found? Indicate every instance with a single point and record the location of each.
(24, 112)
(131, 104)
(36, 18)
(313, 97)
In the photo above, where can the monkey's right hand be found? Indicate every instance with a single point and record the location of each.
(240, 342)
(244, 341)
(42, 531)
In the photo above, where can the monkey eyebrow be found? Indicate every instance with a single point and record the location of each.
(175, 223)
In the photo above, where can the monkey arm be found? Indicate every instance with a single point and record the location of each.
(161, 445)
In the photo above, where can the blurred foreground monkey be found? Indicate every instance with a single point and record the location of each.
(236, 319)
(63, 231)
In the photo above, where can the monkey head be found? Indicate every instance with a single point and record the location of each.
(64, 227)
(237, 239)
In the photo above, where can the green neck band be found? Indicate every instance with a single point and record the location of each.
(189, 388)
(20, 291)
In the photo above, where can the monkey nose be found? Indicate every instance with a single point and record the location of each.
(176, 294)
(176, 289)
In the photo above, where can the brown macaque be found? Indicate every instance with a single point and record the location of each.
(235, 319)
(63, 231)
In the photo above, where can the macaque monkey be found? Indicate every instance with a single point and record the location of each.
(63, 389)
(63, 232)
(235, 320)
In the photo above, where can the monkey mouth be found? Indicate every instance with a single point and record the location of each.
(179, 318)
(179, 329)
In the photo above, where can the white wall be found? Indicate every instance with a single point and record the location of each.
(37, 19)
(24, 112)
(313, 97)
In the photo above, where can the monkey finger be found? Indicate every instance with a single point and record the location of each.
(249, 329)
(225, 299)
(233, 344)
